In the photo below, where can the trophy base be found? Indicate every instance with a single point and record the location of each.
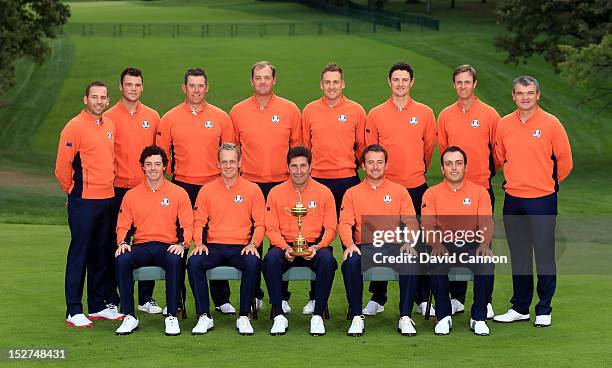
(300, 251)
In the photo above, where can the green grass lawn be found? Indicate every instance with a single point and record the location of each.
(47, 96)
(32, 279)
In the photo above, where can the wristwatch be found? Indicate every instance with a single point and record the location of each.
(122, 243)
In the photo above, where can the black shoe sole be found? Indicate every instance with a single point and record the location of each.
(317, 334)
(542, 326)
(126, 333)
(167, 334)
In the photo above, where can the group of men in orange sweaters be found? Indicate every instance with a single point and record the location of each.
(235, 177)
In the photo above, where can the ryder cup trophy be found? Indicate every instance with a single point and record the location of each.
(300, 245)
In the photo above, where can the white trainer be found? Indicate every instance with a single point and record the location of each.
(109, 313)
(309, 308)
(444, 326)
(78, 321)
(226, 308)
(357, 326)
(422, 308)
(511, 316)
(372, 308)
(456, 307)
(480, 328)
(490, 312)
(165, 312)
(172, 326)
(129, 325)
(150, 307)
(204, 325)
(243, 324)
(317, 327)
(405, 326)
(280, 325)
(543, 320)
(258, 304)
(286, 307)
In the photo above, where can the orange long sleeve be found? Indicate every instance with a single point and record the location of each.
(192, 139)
(265, 134)
(474, 132)
(408, 134)
(85, 164)
(320, 223)
(233, 215)
(335, 134)
(536, 155)
(154, 214)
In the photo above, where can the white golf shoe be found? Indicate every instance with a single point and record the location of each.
(372, 308)
(511, 316)
(444, 326)
(109, 313)
(243, 325)
(172, 326)
(357, 326)
(543, 320)
(150, 307)
(129, 325)
(309, 308)
(490, 312)
(480, 328)
(456, 307)
(280, 326)
(204, 325)
(226, 308)
(422, 308)
(317, 327)
(286, 307)
(78, 321)
(405, 326)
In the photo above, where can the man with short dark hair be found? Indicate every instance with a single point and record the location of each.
(162, 215)
(136, 126)
(333, 128)
(390, 204)
(407, 130)
(191, 134)
(85, 169)
(470, 124)
(318, 228)
(535, 151)
(451, 210)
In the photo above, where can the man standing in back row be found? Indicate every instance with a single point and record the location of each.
(265, 127)
(469, 124)
(136, 126)
(535, 151)
(407, 130)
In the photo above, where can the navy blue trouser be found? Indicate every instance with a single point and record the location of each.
(379, 288)
(459, 288)
(219, 289)
(148, 254)
(483, 283)
(223, 255)
(353, 284)
(90, 229)
(323, 264)
(259, 293)
(145, 288)
(530, 229)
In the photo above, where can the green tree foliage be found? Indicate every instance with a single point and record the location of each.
(25, 26)
(539, 27)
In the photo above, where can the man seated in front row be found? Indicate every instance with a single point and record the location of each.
(458, 206)
(153, 208)
(229, 226)
(318, 227)
(392, 206)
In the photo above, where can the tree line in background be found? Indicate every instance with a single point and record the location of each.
(573, 35)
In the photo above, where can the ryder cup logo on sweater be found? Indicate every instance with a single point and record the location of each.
(238, 199)
(475, 123)
(342, 118)
(109, 135)
(146, 124)
(387, 198)
(467, 201)
(312, 204)
(413, 120)
(165, 202)
(275, 119)
(537, 133)
(208, 124)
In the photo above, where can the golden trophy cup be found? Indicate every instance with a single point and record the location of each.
(300, 245)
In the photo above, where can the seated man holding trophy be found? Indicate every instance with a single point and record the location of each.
(301, 223)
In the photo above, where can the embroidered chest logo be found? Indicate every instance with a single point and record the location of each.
(413, 120)
(467, 201)
(475, 123)
(387, 198)
(146, 124)
(275, 119)
(312, 204)
(109, 135)
(342, 118)
(165, 202)
(208, 124)
(238, 199)
(537, 133)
